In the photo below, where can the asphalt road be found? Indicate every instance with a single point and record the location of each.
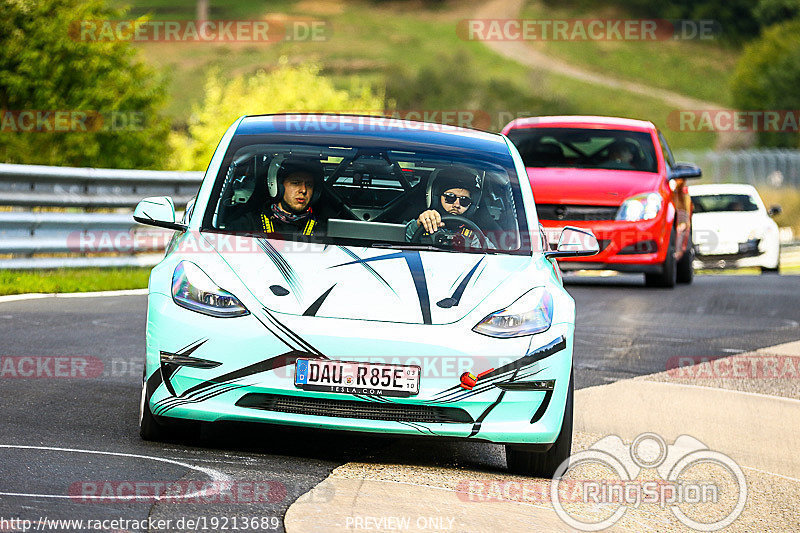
(53, 429)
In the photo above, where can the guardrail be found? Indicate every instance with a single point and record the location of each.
(76, 232)
(79, 235)
(776, 167)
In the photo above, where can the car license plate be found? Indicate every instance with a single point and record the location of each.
(352, 377)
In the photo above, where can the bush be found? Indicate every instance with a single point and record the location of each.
(286, 88)
(767, 77)
(769, 12)
(46, 68)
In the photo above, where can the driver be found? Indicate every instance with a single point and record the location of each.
(453, 193)
(621, 154)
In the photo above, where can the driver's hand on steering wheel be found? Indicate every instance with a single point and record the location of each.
(431, 220)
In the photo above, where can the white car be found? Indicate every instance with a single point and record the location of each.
(731, 228)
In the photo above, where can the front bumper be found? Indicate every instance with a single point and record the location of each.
(747, 253)
(256, 357)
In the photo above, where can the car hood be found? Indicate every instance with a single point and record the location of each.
(589, 186)
(369, 283)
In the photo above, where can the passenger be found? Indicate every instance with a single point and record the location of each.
(455, 191)
(299, 185)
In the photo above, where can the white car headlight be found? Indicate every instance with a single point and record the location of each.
(640, 207)
(530, 313)
(194, 290)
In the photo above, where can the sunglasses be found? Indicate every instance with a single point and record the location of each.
(450, 198)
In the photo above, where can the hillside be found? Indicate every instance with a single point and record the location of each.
(401, 45)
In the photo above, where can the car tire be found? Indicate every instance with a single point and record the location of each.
(770, 270)
(685, 273)
(669, 271)
(159, 430)
(544, 464)
(149, 428)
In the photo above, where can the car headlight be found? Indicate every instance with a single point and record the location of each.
(530, 313)
(194, 290)
(640, 207)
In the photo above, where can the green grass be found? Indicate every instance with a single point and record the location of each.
(789, 200)
(72, 280)
(699, 69)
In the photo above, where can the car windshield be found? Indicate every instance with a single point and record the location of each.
(369, 196)
(712, 203)
(585, 148)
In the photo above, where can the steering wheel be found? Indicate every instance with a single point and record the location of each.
(438, 237)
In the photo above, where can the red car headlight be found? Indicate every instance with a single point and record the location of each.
(640, 207)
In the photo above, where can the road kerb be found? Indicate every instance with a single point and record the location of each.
(756, 430)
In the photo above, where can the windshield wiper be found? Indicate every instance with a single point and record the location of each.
(428, 247)
(407, 246)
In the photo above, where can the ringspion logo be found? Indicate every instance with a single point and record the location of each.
(704, 489)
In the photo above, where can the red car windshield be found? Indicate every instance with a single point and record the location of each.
(585, 148)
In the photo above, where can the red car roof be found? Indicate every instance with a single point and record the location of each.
(577, 121)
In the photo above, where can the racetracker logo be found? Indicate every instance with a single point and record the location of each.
(735, 367)
(585, 29)
(382, 121)
(214, 492)
(70, 120)
(50, 367)
(703, 120)
(705, 490)
(202, 31)
(433, 366)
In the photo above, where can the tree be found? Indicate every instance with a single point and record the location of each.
(108, 98)
(286, 88)
(769, 12)
(767, 77)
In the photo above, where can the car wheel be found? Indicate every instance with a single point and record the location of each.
(685, 266)
(544, 464)
(149, 428)
(669, 271)
(770, 270)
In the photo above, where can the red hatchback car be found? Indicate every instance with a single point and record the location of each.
(616, 177)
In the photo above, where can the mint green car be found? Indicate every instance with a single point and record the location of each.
(367, 322)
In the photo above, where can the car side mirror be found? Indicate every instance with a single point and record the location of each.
(684, 171)
(575, 242)
(157, 211)
(775, 210)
